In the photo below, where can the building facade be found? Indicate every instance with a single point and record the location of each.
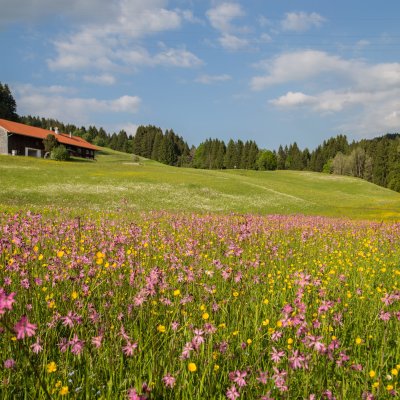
(24, 140)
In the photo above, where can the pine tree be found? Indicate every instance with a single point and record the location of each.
(230, 155)
(281, 158)
(8, 106)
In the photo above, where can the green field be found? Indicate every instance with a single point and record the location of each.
(115, 183)
(135, 280)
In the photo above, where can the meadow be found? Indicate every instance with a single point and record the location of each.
(116, 184)
(108, 295)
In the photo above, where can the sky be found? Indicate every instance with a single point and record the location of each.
(273, 71)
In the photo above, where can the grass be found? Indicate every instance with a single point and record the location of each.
(115, 183)
(115, 293)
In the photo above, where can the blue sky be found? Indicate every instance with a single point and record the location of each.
(273, 71)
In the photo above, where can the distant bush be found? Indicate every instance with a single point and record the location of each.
(50, 142)
(60, 153)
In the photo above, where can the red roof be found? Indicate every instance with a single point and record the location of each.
(63, 138)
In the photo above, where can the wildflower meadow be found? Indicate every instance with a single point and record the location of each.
(196, 306)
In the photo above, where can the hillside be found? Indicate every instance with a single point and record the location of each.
(116, 184)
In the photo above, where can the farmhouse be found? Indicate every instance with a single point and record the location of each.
(20, 139)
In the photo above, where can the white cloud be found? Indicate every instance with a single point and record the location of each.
(114, 46)
(232, 42)
(299, 66)
(210, 79)
(301, 21)
(129, 127)
(221, 16)
(177, 58)
(42, 101)
(122, 104)
(265, 38)
(104, 79)
(263, 21)
(291, 99)
(167, 57)
(370, 91)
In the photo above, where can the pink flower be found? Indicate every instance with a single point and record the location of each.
(9, 363)
(76, 345)
(133, 395)
(296, 360)
(6, 301)
(25, 283)
(276, 355)
(239, 378)
(384, 316)
(174, 325)
(129, 348)
(63, 345)
(169, 381)
(276, 336)
(70, 319)
(356, 367)
(96, 341)
(37, 347)
(24, 328)
(232, 393)
(263, 377)
(186, 351)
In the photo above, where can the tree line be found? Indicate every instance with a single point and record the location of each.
(375, 160)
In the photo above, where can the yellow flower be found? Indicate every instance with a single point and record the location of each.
(64, 390)
(249, 341)
(394, 371)
(51, 367)
(74, 295)
(177, 292)
(290, 341)
(389, 387)
(40, 257)
(372, 373)
(279, 324)
(205, 316)
(216, 367)
(265, 322)
(235, 294)
(60, 253)
(375, 384)
(161, 328)
(266, 301)
(359, 340)
(192, 367)
(58, 384)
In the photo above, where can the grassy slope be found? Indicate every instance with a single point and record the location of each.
(117, 185)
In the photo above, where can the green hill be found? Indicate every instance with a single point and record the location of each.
(116, 184)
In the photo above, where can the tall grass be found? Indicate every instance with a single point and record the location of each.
(179, 306)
